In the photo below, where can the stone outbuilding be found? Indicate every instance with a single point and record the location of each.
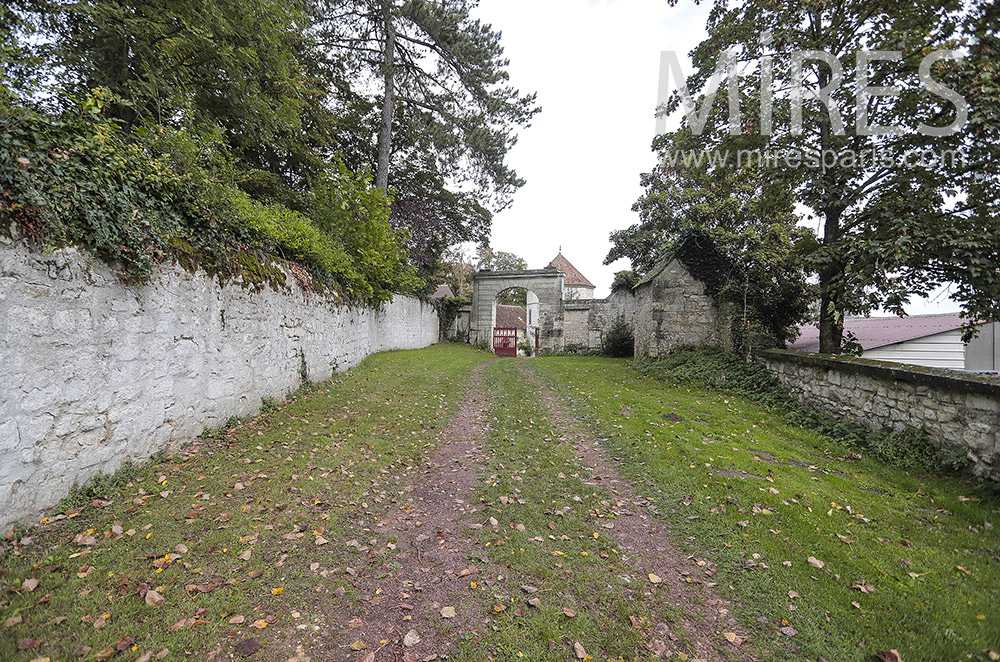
(669, 309)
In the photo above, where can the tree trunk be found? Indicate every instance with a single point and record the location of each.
(831, 314)
(388, 100)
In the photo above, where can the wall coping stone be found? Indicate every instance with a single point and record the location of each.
(938, 377)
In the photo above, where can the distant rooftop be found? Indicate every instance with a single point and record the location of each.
(510, 317)
(874, 332)
(443, 291)
(573, 275)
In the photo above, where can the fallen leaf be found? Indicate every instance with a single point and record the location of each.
(153, 599)
(237, 620)
(277, 591)
(245, 556)
(529, 589)
(84, 571)
(654, 578)
(815, 562)
(411, 639)
(320, 541)
(448, 612)
(12, 621)
(792, 595)
(788, 631)
(889, 656)
(569, 612)
(260, 624)
(581, 652)
(81, 650)
(28, 643)
(733, 638)
(30, 584)
(535, 602)
(247, 647)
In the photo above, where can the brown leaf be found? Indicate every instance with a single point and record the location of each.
(358, 645)
(12, 621)
(30, 584)
(247, 647)
(28, 643)
(889, 656)
(153, 599)
(792, 595)
(581, 652)
(448, 612)
(106, 654)
(162, 654)
(81, 650)
(815, 562)
(529, 589)
(654, 578)
(237, 620)
(411, 639)
(569, 612)
(320, 541)
(733, 638)
(84, 571)
(125, 643)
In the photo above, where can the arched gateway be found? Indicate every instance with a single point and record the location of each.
(545, 305)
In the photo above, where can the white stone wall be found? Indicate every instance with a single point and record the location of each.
(94, 373)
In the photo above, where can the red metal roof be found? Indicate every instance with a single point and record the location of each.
(573, 275)
(510, 317)
(875, 332)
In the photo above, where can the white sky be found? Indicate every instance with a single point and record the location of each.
(595, 66)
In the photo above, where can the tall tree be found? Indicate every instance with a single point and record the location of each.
(249, 70)
(445, 111)
(901, 211)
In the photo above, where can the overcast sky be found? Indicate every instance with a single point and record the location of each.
(595, 67)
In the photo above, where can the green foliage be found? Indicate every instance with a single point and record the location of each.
(728, 373)
(134, 200)
(618, 339)
(625, 281)
(447, 308)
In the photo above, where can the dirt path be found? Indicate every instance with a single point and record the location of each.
(413, 559)
(403, 598)
(648, 542)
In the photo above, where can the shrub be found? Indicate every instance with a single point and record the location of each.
(618, 340)
(136, 198)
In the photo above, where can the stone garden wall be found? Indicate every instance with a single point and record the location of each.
(94, 373)
(959, 410)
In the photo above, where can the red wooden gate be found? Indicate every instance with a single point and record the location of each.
(505, 341)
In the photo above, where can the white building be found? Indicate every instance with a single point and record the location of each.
(934, 341)
(575, 286)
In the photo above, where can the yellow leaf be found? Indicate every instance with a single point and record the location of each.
(277, 591)
(654, 578)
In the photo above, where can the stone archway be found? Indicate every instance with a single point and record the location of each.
(545, 284)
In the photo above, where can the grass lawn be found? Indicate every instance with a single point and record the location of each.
(824, 554)
(833, 555)
(224, 538)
